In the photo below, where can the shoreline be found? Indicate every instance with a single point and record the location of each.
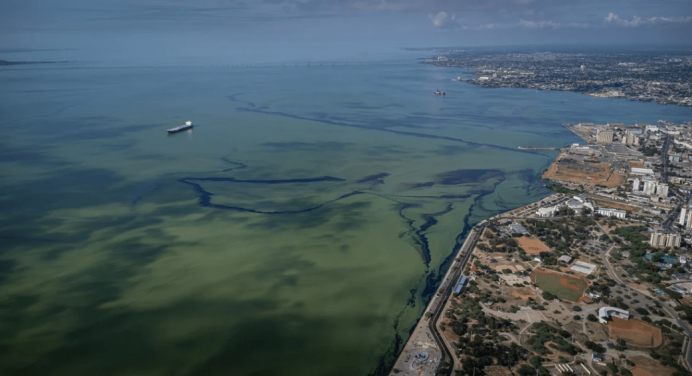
(427, 326)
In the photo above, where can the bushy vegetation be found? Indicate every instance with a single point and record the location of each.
(480, 342)
(545, 333)
(557, 188)
(561, 234)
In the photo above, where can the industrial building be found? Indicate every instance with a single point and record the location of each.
(460, 285)
(604, 137)
(631, 136)
(583, 267)
(616, 125)
(518, 228)
(641, 171)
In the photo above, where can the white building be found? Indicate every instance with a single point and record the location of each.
(641, 171)
(649, 187)
(608, 212)
(546, 212)
(606, 312)
(685, 217)
(579, 202)
(636, 185)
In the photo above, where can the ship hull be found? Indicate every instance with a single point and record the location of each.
(179, 129)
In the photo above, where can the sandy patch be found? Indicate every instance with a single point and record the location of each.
(635, 332)
(586, 173)
(648, 367)
(615, 205)
(523, 293)
(532, 246)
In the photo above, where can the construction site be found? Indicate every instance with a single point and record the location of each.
(586, 170)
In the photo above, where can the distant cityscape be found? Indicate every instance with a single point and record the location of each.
(662, 78)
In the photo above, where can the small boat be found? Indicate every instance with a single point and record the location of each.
(438, 92)
(180, 128)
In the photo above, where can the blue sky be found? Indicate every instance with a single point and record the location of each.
(278, 30)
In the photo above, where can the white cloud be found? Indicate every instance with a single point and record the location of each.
(636, 21)
(539, 24)
(443, 20)
(551, 24)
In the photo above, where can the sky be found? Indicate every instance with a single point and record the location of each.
(269, 31)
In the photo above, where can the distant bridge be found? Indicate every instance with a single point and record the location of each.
(538, 148)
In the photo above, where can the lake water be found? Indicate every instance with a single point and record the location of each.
(299, 229)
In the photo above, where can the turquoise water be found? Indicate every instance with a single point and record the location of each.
(298, 229)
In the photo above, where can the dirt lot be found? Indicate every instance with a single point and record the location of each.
(497, 371)
(532, 245)
(596, 331)
(635, 332)
(635, 164)
(602, 176)
(649, 367)
(615, 205)
(523, 293)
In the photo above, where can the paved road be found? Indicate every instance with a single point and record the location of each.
(671, 312)
(668, 223)
(664, 158)
(453, 278)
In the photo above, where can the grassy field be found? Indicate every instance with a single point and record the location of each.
(563, 287)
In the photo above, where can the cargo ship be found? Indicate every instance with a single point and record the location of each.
(180, 128)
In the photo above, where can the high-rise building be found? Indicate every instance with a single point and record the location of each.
(672, 240)
(685, 217)
(658, 239)
(682, 220)
(649, 187)
(636, 185)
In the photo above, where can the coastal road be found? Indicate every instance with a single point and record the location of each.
(452, 280)
(666, 307)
